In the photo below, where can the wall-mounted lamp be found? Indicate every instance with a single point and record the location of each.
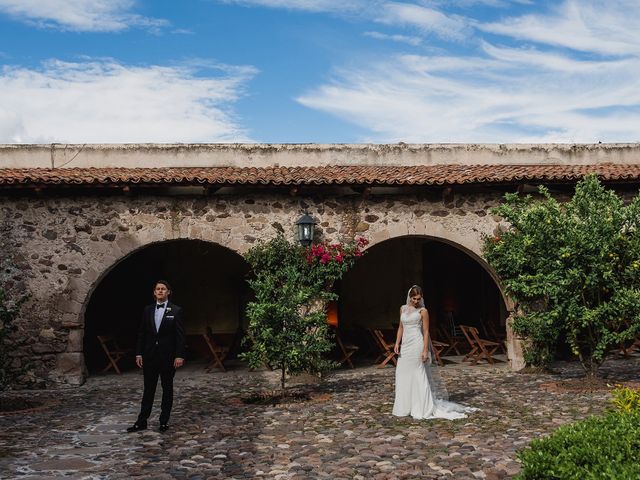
(305, 225)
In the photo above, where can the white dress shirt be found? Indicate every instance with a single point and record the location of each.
(159, 313)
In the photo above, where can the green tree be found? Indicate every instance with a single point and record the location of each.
(287, 319)
(573, 268)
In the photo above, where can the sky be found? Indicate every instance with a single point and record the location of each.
(319, 71)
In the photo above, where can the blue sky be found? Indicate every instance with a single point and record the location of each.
(322, 71)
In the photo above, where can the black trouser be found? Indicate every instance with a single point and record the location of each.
(152, 369)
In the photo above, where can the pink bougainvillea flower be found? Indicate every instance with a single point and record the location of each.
(362, 241)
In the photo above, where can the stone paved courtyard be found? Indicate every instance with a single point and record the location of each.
(346, 433)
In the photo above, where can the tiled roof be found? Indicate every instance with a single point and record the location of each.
(317, 175)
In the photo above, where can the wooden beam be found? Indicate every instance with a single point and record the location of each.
(447, 195)
(364, 190)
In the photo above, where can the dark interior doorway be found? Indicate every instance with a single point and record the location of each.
(457, 289)
(208, 281)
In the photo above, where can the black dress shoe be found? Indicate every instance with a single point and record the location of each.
(163, 428)
(137, 427)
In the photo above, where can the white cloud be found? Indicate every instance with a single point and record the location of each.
(569, 75)
(400, 14)
(471, 3)
(452, 99)
(104, 102)
(79, 15)
(533, 58)
(411, 40)
(338, 6)
(598, 26)
(426, 20)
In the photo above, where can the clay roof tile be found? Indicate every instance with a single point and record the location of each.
(318, 175)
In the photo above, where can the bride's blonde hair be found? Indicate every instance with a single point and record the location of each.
(415, 290)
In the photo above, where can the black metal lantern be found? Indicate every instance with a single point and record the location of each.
(305, 226)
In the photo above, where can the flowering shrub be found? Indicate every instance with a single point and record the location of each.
(328, 262)
(292, 284)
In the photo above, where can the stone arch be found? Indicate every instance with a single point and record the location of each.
(470, 244)
(79, 290)
(226, 316)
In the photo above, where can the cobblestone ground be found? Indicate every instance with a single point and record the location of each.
(347, 434)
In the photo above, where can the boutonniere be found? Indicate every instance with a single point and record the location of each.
(168, 309)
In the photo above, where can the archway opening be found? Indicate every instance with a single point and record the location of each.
(208, 281)
(457, 290)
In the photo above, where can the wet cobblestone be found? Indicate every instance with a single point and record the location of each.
(350, 435)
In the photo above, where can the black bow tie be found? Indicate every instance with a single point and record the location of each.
(160, 305)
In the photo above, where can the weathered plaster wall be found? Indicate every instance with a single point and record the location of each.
(59, 248)
(260, 155)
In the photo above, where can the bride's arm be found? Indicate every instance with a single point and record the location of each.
(425, 333)
(396, 347)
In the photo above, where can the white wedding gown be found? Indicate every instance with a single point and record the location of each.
(415, 394)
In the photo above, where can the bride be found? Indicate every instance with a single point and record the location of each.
(420, 391)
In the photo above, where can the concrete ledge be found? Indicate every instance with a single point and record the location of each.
(263, 155)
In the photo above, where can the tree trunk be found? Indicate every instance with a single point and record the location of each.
(283, 368)
(590, 366)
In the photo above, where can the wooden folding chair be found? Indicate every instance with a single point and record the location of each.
(386, 348)
(473, 347)
(480, 348)
(628, 350)
(346, 349)
(218, 352)
(113, 351)
(438, 347)
(452, 342)
(498, 337)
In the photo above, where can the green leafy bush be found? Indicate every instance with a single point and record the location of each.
(573, 268)
(604, 447)
(626, 399)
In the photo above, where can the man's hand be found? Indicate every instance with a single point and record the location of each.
(178, 362)
(139, 361)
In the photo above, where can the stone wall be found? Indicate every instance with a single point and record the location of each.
(59, 247)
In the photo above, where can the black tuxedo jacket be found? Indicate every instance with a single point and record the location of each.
(168, 342)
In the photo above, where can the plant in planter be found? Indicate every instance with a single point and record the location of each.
(573, 268)
(287, 319)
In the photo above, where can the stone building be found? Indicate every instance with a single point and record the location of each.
(87, 229)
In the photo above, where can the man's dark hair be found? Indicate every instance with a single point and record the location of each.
(163, 282)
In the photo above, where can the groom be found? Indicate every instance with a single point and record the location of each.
(160, 350)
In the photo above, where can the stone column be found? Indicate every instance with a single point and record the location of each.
(515, 352)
